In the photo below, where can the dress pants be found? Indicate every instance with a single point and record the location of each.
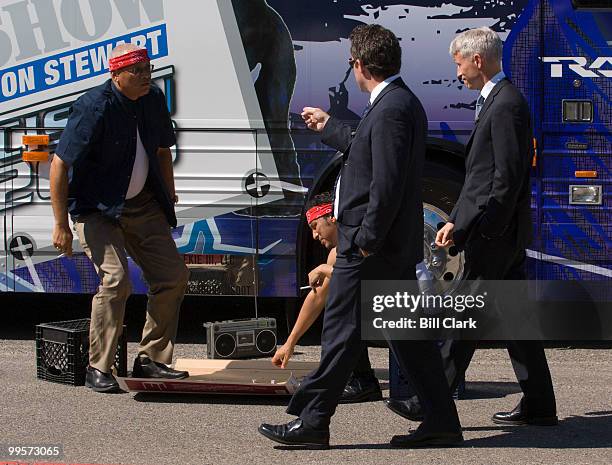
(144, 233)
(499, 259)
(363, 368)
(316, 399)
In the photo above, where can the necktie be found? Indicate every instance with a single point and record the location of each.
(479, 105)
(366, 109)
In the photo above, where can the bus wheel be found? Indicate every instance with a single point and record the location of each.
(442, 267)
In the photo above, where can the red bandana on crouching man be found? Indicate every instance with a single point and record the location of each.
(318, 211)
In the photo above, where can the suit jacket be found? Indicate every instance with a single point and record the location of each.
(380, 205)
(495, 198)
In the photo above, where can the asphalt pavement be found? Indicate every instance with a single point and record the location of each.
(137, 429)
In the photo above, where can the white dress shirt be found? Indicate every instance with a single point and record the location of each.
(488, 87)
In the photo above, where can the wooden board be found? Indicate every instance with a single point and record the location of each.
(237, 377)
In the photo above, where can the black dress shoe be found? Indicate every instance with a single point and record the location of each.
(519, 416)
(361, 389)
(296, 433)
(421, 438)
(147, 368)
(99, 381)
(407, 408)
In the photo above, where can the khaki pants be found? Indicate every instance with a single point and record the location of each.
(144, 233)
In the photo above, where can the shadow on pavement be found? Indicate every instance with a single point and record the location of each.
(603, 412)
(337, 447)
(591, 431)
(489, 389)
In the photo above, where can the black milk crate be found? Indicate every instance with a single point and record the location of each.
(62, 352)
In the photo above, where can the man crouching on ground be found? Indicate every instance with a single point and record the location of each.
(362, 385)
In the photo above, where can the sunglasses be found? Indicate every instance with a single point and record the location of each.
(139, 70)
(351, 62)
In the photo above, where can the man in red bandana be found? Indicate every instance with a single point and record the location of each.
(362, 385)
(113, 174)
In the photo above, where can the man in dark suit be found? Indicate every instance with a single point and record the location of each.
(491, 221)
(380, 236)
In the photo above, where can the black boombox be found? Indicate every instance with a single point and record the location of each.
(247, 338)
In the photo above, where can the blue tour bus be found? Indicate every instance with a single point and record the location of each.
(236, 74)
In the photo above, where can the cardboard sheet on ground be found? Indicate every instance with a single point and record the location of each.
(248, 377)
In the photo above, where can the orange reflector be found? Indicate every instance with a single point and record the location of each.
(35, 156)
(37, 139)
(585, 174)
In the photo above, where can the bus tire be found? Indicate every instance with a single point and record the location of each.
(441, 187)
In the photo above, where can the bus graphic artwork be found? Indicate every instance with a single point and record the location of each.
(245, 163)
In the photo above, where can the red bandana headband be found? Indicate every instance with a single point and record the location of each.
(128, 59)
(318, 211)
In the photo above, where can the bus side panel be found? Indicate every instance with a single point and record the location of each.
(579, 234)
(223, 160)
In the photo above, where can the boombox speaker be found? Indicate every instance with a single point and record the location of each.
(247, 338)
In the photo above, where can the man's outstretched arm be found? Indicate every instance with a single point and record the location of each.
(336, 134)
(311, 308)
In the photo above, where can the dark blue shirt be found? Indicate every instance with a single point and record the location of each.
(99, 144)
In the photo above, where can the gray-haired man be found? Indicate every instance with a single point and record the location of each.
(491, 221)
